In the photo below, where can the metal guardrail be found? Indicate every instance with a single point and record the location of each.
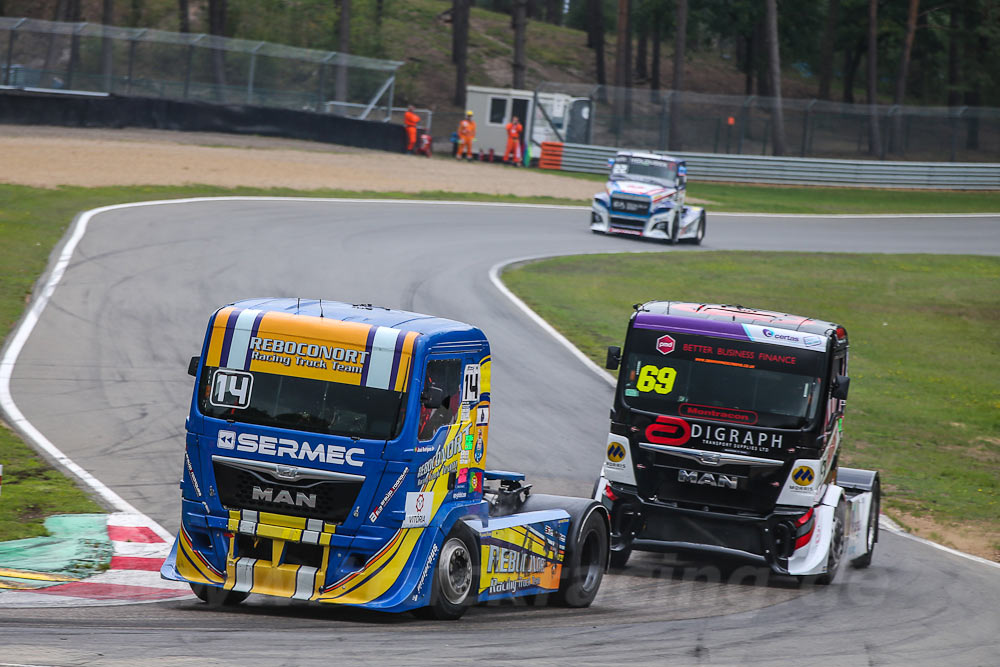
(794, 171)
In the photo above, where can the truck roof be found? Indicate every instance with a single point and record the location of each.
(649, 154)
(718, 312)
(363, 313)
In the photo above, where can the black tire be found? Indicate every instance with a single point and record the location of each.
(456, 577)
(836, 555)
(216, 596)
(585, 561)
(675, 228)
(701, 230)
(619, 559)
(865, 559)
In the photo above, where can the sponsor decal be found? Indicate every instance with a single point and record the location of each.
(482, 415)
(282, 447)
(665, 344)
(284, 497)
(476, 482)
(708, 479)
(616, 452)
(469, 442)
(523, 565)
(190, 470)
(480, 447)
(419, 505)
(718, 414)
(803, 476)
(427, 568)
(388, 495)
(463, 476)
(770, 333)
(812, 341)
(424, 449)
(667, 430)
(463, 458)
(277, 350)
(445, 452)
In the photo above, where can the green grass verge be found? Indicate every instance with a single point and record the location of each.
(735, 198)
(925, 349)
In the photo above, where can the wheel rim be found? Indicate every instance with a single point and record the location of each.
(456, 571)
(590, 562)
(701, 229)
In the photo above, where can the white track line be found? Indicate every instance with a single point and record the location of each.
(27, 324)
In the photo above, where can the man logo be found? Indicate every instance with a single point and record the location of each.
(803, 476)
(615, 452)
(227, 440)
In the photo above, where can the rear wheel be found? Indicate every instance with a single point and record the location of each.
(456, 580)
(865, 559)
(584, 566)
(836, 547)
(216, 596)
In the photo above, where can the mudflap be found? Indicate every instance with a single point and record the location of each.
(811, 558)
(521, 554)
(859, 490)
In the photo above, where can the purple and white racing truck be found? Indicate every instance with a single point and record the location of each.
(725, 438)
(644, 196)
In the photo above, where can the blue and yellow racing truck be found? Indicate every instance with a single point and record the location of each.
(336, 453)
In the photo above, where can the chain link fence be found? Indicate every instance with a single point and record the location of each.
(141, 62)
(733, 124)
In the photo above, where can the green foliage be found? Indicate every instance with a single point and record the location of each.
(925, 349)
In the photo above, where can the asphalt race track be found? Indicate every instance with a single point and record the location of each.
(103, 376)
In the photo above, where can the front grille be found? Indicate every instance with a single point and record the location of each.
(630, 206)
(329, 500)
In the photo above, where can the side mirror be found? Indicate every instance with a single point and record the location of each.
(193, 366)
(432, 397)
(841, 384)
(614, 358)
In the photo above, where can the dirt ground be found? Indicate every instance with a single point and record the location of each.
(53, 156)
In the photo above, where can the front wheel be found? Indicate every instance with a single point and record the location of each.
(675, 229)
(865, 559)
(584, 566)
(836, 547)
(701, 230)
(216, 596)
(456, 580)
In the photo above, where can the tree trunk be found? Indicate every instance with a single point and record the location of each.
(954, 66)
(641, 53)
(621, 69)
(774, 75)
(654, 74)
(184, 16)
(520, 23)
(852, 58)
(976, 48)
(553, 12)
(217, 26)
(680, 46)
(760, 63)
(826, 49)
(874, 134)
(460, 46)
(904, 67)
(379, 10)
(751, 57)
(107, 44)
(595, 40)
(344, 47)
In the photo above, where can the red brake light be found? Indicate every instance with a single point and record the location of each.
(609, 493)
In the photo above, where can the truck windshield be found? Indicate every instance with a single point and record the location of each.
(647, 168)
(302, 404)
(718, 379)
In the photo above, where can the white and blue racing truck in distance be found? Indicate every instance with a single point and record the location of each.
(644, 196)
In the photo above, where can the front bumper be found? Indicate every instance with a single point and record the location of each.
(646, 525)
